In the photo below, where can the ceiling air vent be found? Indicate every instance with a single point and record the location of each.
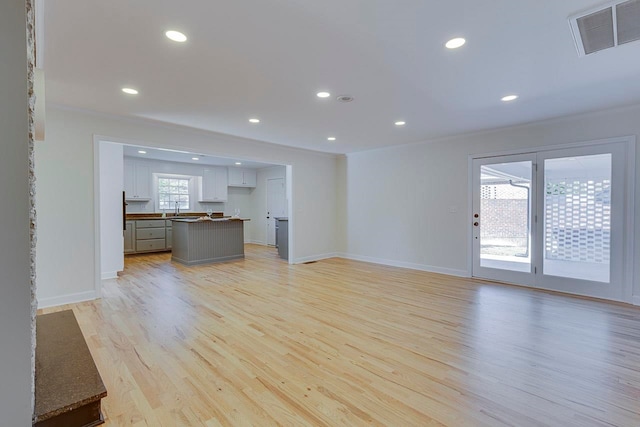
(606, 26)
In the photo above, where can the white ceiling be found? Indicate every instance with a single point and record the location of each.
(187, 157)
(267, 59)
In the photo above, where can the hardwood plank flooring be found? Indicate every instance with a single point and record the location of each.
(338, 342)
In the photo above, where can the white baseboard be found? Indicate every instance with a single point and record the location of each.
(409, 265)
(315, 258)
(67, 299)
(256, 242)
(109, 275)
(636, 300)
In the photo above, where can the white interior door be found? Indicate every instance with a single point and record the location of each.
(553, 219)
(276, 206)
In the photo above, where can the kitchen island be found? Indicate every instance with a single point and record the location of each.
(197, 241)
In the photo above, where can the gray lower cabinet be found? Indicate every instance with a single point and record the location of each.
(129, 233)
(150, 235)
(282, 237)
(150, 245)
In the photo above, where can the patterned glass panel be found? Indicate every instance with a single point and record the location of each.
(577, 217)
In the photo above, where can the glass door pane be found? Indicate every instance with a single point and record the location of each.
(505, 216)
(582, 211)
(577, 217)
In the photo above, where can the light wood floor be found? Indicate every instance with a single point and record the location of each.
(338, 342)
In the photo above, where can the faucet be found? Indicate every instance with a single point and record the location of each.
(177, 209)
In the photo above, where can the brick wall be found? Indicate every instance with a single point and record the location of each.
(503, 218)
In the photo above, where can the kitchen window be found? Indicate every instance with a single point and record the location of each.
(174, 191)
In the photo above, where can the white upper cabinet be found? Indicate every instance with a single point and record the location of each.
(214, 185)
(143, 181)
(137, 180)
(239, 177)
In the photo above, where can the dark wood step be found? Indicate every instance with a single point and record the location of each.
(68, 385)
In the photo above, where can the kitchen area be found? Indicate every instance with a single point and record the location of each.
(191, 239)
(199, 207)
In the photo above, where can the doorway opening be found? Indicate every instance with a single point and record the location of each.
(227, 186)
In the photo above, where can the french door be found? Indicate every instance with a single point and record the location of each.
(503, 218)
(553, 219)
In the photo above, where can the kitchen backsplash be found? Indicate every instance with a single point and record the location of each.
(142, 207)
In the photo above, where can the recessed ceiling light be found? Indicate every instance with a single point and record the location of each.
(509, 98)
(323, 94)
(331, 138)
(238, 163)
(142, 152)
(195, 158)
(176, 36)
(455, 43)
(400, 123)
(254, 120)
(129, 91)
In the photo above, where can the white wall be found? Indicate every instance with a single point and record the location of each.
(399, 199)
(340, 216)
(15, 287)
(110, 188)
(65, 198)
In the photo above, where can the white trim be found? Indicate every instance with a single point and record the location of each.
(629, 227)
(564, 146)
(315, 258)
(469, 272)
(109, 275)
(288, 182)
(636, 300)
(39, 30)
(97, 281)
(67, 299)
(412, 266)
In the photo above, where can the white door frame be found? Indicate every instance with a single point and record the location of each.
(629, 204)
